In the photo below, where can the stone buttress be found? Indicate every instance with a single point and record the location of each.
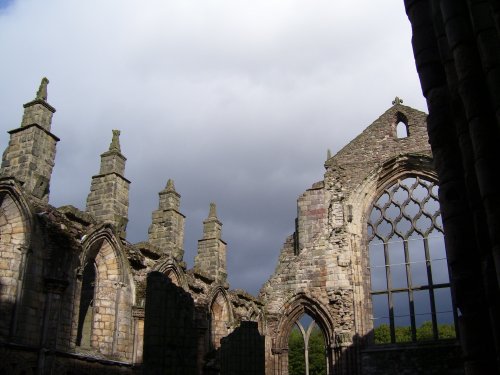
(211, 257)
(30, 154)
(167, 228)
(108, 197)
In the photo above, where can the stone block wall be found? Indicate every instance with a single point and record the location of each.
(38, 112)
(30, 159)
(108, 199)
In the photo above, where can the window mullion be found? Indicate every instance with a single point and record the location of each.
(410, 292)
(431, 289)
(389, 291)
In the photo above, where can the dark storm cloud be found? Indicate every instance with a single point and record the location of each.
(237, 101)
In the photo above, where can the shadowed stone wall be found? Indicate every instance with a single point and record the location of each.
(169, 332)
(242, 351)
(456, 46)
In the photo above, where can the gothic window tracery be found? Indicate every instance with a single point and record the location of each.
(410, 288)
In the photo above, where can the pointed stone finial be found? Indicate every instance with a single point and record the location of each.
(41, 94)
(397, 101)
(212, 214)
(170, 185)
(328, 154)
(115, 142)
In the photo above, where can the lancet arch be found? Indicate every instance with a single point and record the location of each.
(221, 316)
(15, 234)
(174, 272)
(105, 296)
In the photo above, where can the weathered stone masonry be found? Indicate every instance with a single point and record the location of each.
(76, 297)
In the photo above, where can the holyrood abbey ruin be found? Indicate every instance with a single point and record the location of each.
(366, 270)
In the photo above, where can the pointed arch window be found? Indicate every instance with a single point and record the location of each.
(401, 127)
(86, 312)
(410, 287)
(401, 130)
(219, 320)
(306, 348)
(102, 315)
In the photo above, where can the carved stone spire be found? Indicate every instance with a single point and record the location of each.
(115, 141)
(212, 212)
(113, 161)
(42, 90)
(170, 185)
(38, 111)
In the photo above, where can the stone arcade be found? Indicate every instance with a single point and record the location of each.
(118, 307)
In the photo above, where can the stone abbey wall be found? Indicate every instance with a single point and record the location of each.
(77, 297)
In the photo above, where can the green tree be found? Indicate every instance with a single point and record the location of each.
(296, 360)
(382, 334)
(446, 331)
(403, 334)
(424, 332)
(317, 359)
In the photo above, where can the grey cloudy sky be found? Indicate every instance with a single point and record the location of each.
(236, 100)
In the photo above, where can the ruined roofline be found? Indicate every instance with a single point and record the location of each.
(395, 108)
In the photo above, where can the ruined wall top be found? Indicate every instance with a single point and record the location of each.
(380, 142)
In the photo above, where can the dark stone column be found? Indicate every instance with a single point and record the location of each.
(453, 59)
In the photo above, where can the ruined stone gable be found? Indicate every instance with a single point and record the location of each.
(77, 297)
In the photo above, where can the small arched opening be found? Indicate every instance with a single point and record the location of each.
(401, 130)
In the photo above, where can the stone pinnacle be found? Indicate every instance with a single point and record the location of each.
(41, 94)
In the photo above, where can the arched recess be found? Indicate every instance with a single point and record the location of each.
(173, 271)
(221, 316)
(104, 298)
(15, 235)
(291, 314)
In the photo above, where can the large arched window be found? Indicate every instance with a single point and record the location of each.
(410, 287)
